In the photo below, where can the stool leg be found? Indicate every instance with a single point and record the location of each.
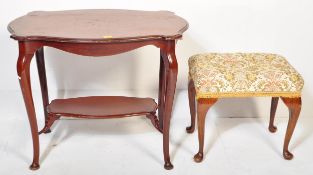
(203, 106)
(294, 106)
(271, 127)
(192, 106)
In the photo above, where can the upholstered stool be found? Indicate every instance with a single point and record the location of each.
(215, 75)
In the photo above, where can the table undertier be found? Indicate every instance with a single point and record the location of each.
(102, 107)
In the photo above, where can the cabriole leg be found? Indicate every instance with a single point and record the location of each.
(162, 86)
(23, 71)
(192, 106)
(43, 83)
(294, 106)
(203, 106)
(271, 127)
(171, 68)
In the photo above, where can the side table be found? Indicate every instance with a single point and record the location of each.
(98, 33)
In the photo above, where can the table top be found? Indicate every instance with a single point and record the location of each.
(97, 25)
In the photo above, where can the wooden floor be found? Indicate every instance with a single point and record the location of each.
(236, 146)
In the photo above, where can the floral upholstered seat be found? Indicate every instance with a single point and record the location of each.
(243, 74)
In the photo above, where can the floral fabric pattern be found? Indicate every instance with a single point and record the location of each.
(243, 74)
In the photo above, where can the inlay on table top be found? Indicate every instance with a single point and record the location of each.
(97, 25)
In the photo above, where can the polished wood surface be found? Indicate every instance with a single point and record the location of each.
(102, 25)
(168, 68)
(169, 28)
(23, 71)
(162, 85)
(170, 77)
(102, 106)
(203, 105)
(294, 106)
(43, 82)
(272, 128)
(192, 106)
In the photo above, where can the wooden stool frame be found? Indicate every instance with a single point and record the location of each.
(204, 104)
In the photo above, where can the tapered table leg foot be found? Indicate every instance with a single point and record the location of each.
(190, 129)
(287, 155)
(198, 157)
(168, 165)
(272, 129)
(34, 166)
(48, 131)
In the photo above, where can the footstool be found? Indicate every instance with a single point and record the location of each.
(222, 75)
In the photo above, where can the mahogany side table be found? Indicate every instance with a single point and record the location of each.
(98, 33)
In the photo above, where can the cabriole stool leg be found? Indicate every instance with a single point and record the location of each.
(271, 127)
(192, 106)
(294, 106)
(203, 106)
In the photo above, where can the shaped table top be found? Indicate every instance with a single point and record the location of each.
(97, 25)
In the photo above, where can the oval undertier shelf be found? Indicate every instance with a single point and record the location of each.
(102, 107)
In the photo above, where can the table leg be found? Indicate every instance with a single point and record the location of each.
(162, 86)
(43, 83)
(171, 69)
(23, 70)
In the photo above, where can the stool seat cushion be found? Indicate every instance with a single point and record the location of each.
(243, 74)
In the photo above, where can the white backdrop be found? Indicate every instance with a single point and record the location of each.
(278, 26)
